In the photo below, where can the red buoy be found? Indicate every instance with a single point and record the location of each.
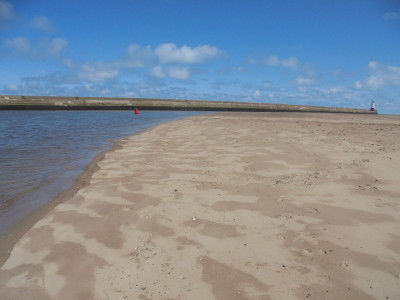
(136, 111)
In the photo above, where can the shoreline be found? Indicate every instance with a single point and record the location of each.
(8, 241)
(274, 203)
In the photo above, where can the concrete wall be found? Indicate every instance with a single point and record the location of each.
(103, 103)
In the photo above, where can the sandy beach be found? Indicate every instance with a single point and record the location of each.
(224, 206)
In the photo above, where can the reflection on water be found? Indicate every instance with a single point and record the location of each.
(43, 152)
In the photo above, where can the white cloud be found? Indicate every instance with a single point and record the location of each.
(272, 60)
(136, 57)
(391, 16)
(373, 65)
(300, 80)
(21, 45)
(170, 53)
(358, 84)
(266, 85)
(45, 48)
(302, 89)
(69, 63)
(179, 73)
(375, 81)
(291, 62)
(11, 87)
(233, 69)
(53, 47)
(157, 71)
(256, 94)
(42, 23)
(6, 10)
(97, 71)
(335, 90)
(381, 75)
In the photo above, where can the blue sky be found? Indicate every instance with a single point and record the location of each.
(314, 52)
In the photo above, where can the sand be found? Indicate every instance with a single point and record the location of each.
(226, 206)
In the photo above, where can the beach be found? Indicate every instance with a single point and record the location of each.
(223, 206)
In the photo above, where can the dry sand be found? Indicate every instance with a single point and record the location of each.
(227, 206)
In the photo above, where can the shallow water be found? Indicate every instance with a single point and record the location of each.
(43, 152)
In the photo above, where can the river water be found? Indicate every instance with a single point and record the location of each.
(42, 153)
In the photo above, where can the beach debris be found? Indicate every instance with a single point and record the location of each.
(194, 219)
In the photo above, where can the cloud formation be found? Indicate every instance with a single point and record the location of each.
(42, 23)
(21, 45)
(179, 73)
(136, 56)
(391, 16)
(291, 62)
(301, 80)
(45, 48)
(170, 53)
(381, 75)
(6, 11)
(54, 47)
(157, 72)
(97, 71)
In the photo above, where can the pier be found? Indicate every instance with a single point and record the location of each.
(105, 103)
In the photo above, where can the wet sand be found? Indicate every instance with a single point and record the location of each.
(224, 206)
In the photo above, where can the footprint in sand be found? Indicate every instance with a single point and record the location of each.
(285, 216)
(367, 187)
(379, 203)
(344, 264)
(323, 278)
(280, 237)
(281, 199)
(125, 208)
(309, 238)
(306, 252)
(312, 210)
(324, 252)
(312, 239)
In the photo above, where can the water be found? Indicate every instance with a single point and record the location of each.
(42, 153)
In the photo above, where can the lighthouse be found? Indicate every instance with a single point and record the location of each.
(372, 105)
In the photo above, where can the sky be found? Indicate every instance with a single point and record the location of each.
(337, 53)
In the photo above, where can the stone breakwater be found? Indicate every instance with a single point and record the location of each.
(102, 103)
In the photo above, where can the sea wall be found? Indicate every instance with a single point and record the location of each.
(103, 103)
